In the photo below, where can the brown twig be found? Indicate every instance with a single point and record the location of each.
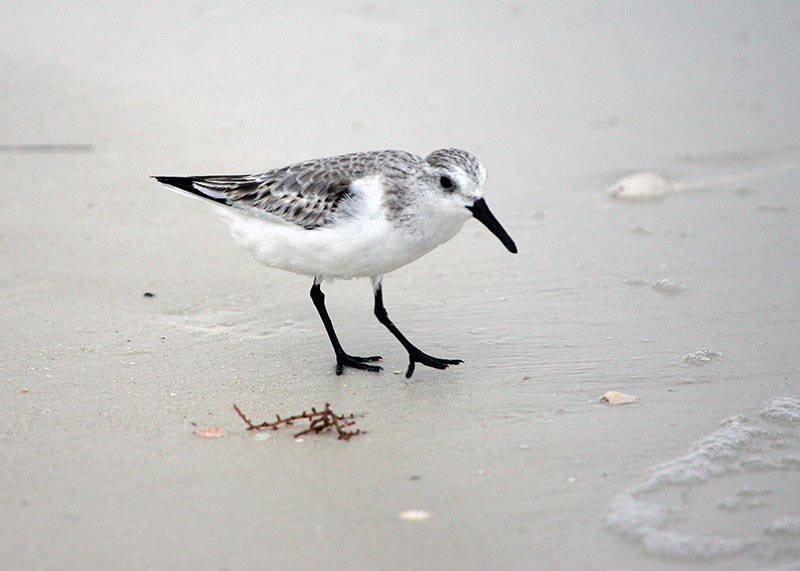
(319, 421)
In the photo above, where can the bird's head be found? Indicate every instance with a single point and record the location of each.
(456, 178)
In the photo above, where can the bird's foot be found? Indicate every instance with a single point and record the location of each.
(417, 356)
(344, 360)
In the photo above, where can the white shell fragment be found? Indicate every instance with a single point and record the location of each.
(667, 286)
(210, 432)
(414, 515)
(614, 397)
(701, 357)
(640, 186)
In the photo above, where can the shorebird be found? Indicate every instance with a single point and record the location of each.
(357, 215)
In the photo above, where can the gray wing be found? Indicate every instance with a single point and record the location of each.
(307, 194)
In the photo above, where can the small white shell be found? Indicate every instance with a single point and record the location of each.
(701, 357)
(210, 432)
(640, 186)
(667, 286)
(613, 397)
(415, 515)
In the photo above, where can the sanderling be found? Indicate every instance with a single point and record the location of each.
(357, 215)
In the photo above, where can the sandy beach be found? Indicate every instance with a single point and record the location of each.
(644, 157)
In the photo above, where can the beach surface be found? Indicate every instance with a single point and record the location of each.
(646, 160)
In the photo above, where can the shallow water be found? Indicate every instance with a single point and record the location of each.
(688, 302)
(733, 493)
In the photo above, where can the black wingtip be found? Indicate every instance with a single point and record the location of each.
(182, 182)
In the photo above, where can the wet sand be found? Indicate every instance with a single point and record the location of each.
(509, 460)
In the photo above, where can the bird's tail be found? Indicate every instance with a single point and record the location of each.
(186, 184)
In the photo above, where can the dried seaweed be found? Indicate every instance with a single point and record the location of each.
(319, 421)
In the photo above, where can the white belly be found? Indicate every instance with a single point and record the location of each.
(349, 249)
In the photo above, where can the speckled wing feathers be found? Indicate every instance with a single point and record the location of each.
(306, 203)
(306, 194)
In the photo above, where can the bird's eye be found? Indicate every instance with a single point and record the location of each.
(446, 182)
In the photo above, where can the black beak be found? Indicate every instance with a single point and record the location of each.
(481, 212)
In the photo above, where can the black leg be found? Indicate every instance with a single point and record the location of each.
(414, 354)
(342, 359)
